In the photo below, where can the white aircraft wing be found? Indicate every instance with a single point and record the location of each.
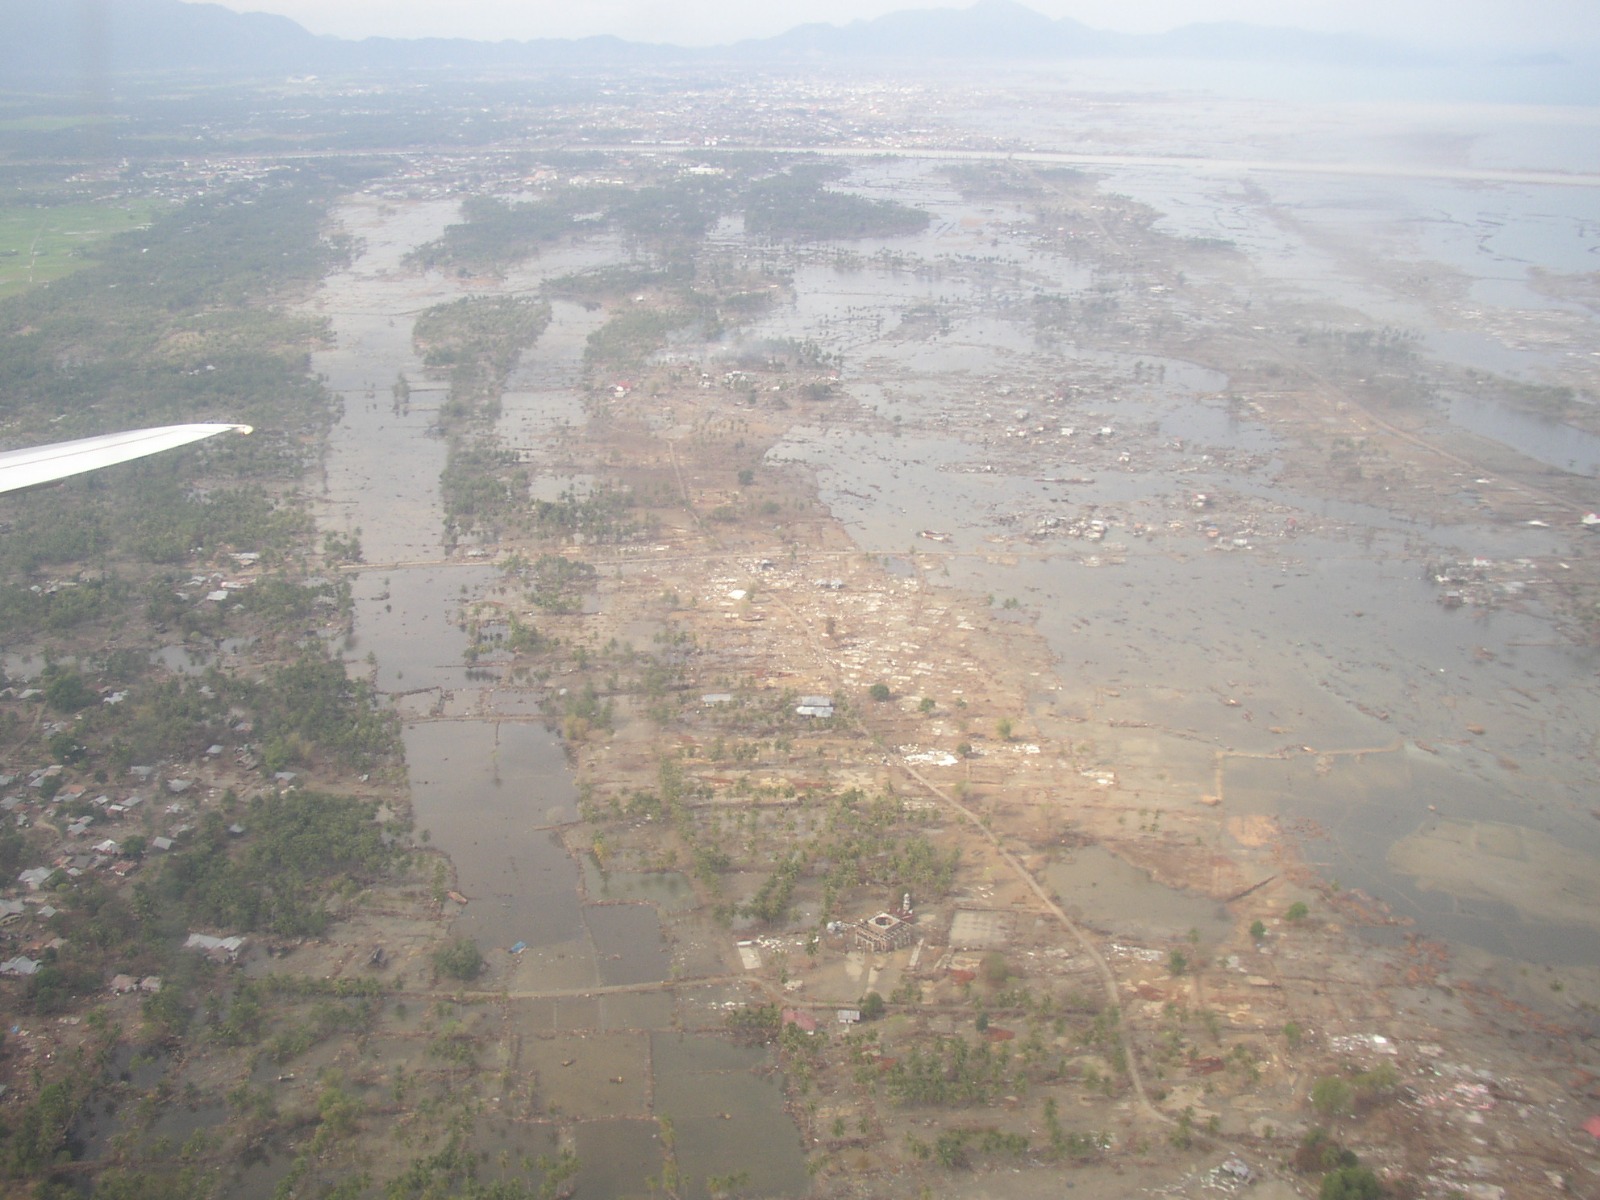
(42, 464)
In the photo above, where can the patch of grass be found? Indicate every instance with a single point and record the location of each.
(40, 244)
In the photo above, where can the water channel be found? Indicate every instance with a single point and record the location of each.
(490, 784)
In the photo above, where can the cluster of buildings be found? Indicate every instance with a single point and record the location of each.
(111, 832)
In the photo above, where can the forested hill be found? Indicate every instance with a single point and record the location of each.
(88, 43)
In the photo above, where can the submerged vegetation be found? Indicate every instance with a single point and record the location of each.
(797, 206)
(475, 342)
(494, 233)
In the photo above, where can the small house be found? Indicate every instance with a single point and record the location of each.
(801, 1019)
(215, 948)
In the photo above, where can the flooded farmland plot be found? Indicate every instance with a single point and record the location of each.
(1125, 648)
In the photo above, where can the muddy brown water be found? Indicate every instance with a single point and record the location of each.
(488, 793)
(1319, 634)
(1099, 888)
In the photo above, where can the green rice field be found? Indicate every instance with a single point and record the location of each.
(38, 244)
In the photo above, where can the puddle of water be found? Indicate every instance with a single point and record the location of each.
(727, 1118)
(552, 488)
(617, 1158)
(1429, 836)
(628, 943)
(1330, 638)
(21, 668)
(260, 1172)
(541, 400)
(1483, 352)
(140, 1068)
(1545, 441)
(382, 471)
(91, 1134)
(487, 793)
(489, 790)
(509, 1151)
(179, 1122)
(1280, 630)
(590, 1075)
(1097, 886)
(637, 1010)
(669, 891)
(183, 660)
(1544, 880)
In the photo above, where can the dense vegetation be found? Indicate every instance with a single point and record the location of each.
(797, 207)
(297, 848)
(310, 706)
(494, 233)
(174, 322)
(166, 324)
(862, 845)
(628, 339)
(475, 342)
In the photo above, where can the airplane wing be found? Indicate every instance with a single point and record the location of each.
(42, 464)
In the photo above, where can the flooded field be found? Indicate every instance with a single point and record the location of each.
(1372, 661)
(1315, 634)
(490, 785)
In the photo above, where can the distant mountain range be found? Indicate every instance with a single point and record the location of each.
(1004, 29)
(99, 39)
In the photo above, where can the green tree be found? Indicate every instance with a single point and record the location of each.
(1332, 1096)
(66, 691)
(1350, 1183)
(994, 969)
(459, 959)
(1318, 1151)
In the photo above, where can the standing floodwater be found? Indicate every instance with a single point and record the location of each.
(1218, 625)
(490, 785)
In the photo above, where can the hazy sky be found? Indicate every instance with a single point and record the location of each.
(1506, 24)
